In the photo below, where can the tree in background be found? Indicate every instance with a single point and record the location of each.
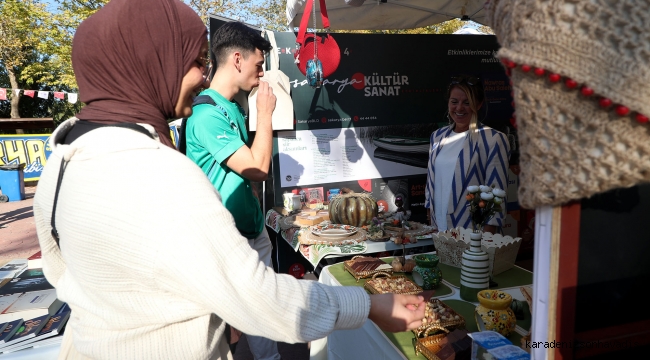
(22, 26)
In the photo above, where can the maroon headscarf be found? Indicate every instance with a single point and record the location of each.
(130, 57)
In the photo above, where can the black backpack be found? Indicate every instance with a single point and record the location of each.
(182, 141)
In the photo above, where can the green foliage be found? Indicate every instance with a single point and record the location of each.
(22, 26)
(33, 56)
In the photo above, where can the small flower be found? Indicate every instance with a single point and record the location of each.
(497, 200)
(470, 197)
(481, 204)
(485, 189)
(487, 196)
(473, 188)
(499, 192)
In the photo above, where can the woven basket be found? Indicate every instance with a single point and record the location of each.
(362, 274)
(502, 251)
(442, 325)
(428, 346)
(371, 285)
(449, 249)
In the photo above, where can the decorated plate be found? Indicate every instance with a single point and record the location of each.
(333, 230)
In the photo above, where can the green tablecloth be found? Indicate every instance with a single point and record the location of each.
(403, 340)
(507, 279)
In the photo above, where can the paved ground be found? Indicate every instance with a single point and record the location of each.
(17, 231)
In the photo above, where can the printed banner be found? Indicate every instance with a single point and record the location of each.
(373, 117)
(386, 79)
(30, 149)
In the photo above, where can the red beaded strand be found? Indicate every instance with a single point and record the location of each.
(570, 84)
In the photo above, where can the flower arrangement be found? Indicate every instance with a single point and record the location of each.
(483, 201)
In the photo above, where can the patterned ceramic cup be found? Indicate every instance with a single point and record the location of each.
(426, 273)
(494, 313)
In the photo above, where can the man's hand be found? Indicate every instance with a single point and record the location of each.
(265, 102)
(396, 313)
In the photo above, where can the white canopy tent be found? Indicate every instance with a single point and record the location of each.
(388, 14)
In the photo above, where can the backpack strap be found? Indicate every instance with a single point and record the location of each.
(182, 141)
(199, 100)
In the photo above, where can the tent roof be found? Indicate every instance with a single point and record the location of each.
(388, 14)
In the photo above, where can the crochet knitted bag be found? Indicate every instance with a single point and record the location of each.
(581, 79)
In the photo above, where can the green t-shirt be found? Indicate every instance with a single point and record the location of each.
(213, 133)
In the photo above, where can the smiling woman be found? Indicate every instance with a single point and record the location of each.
(461, 154)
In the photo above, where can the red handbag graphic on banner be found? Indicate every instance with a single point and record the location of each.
(314, 47)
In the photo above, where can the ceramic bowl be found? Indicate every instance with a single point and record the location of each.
(494, 299)
(426, 260)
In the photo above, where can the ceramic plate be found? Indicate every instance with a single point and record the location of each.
(333, 230)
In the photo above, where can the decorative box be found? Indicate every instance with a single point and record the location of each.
(387, 284)
(502, 250)
(361, 274)
(439, 318)
(450, 245)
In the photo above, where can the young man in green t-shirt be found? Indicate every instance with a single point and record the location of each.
(217, 140)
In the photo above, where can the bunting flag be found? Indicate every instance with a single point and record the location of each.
(60, 95)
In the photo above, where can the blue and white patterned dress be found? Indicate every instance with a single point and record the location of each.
(484, 162)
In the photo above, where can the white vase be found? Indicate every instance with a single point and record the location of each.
(474, 270)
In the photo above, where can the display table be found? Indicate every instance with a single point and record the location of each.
(369, 342)
(315, 253)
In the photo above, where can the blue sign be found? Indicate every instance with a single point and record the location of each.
(173, 132)
(30, 149)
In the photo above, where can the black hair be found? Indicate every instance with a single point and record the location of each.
(236, 36)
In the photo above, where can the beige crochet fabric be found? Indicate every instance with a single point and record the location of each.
(570, 147)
